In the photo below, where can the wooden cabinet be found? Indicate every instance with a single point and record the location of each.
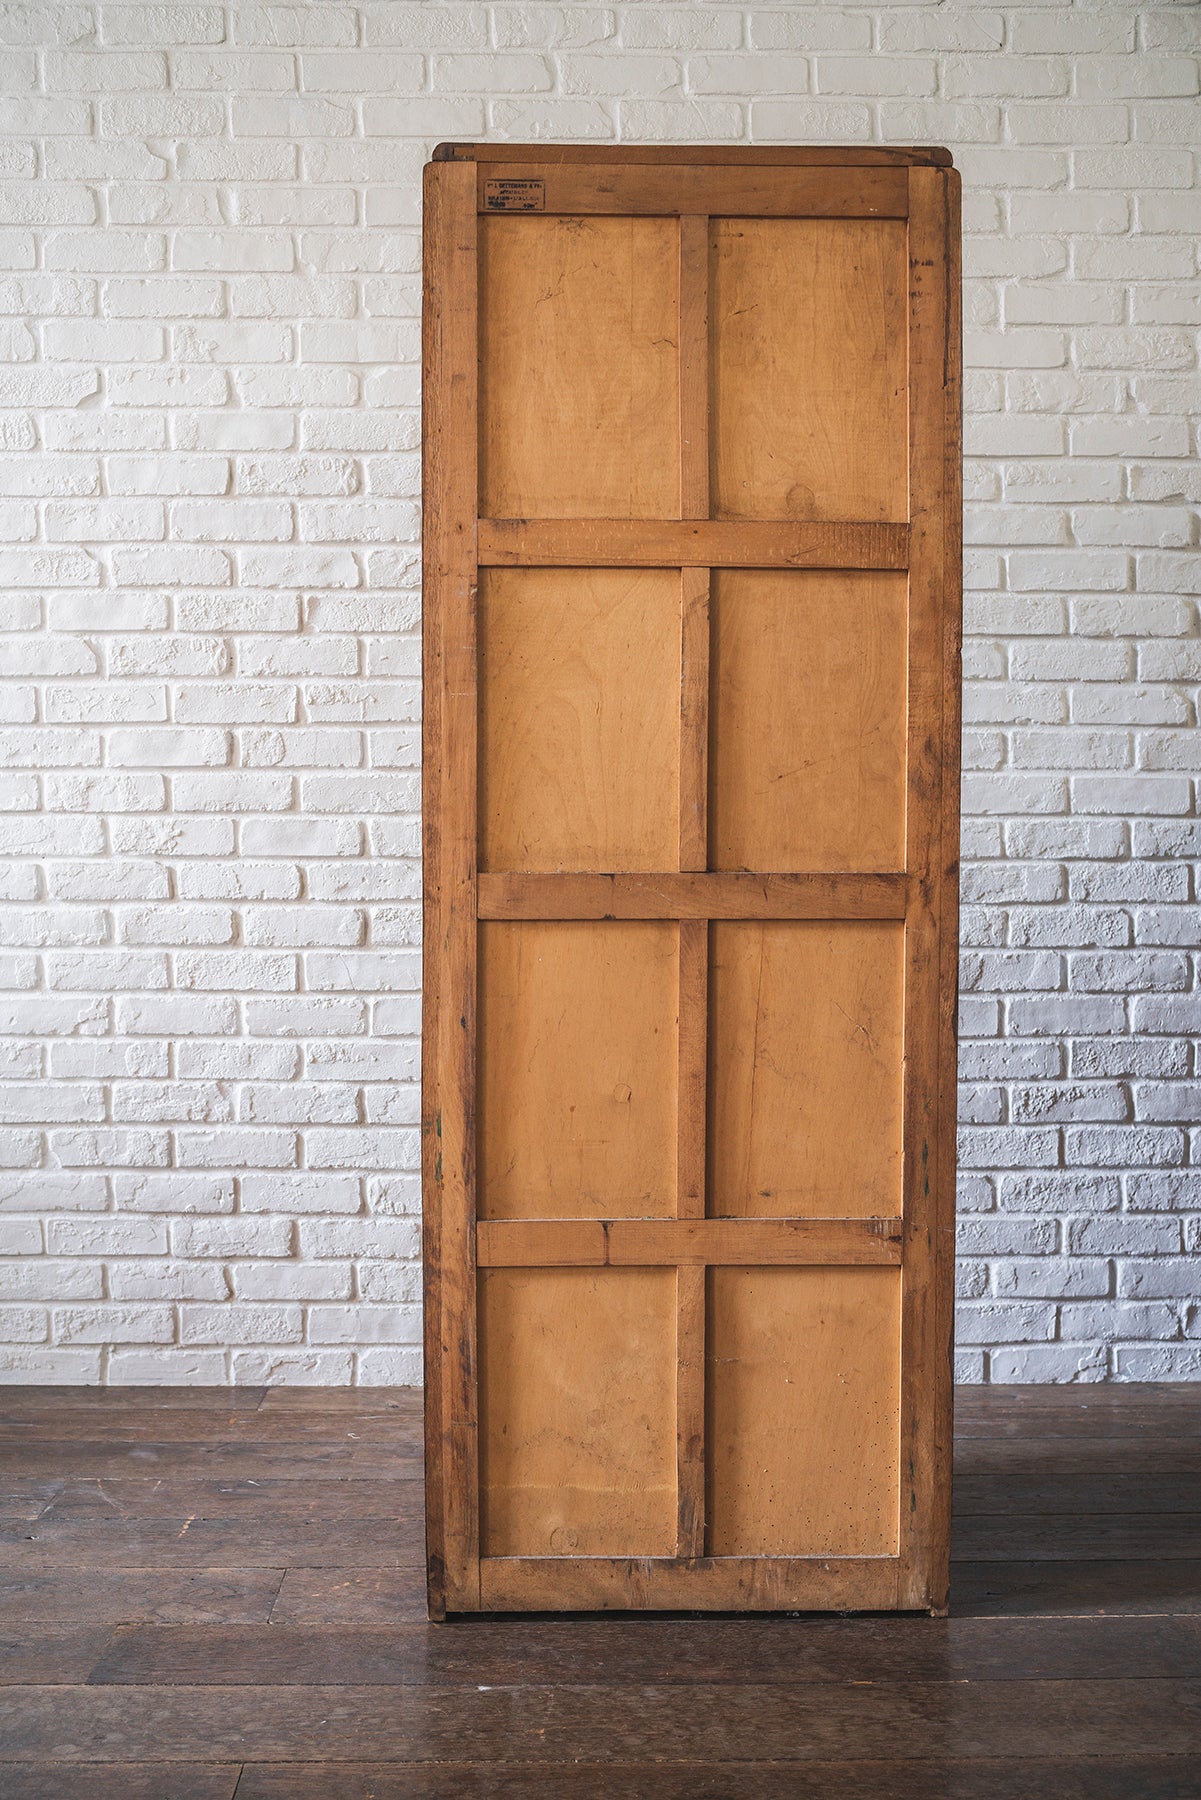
(691, 787)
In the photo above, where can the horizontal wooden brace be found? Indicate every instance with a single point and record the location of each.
(640, 1243)
(691, 543)
(773, 156)
(703, 1583)
(733, 895)
(747, 190)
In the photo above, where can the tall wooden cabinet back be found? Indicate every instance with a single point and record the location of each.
(692, 599)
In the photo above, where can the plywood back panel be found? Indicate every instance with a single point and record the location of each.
(579, 716)
(807, 752)
(804, 1392)
(577, 1070)
(806, 1033)
(691, 642)
(810, 414)
(578, 1453)
(579, 378)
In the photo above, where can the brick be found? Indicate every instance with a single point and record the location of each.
(1047, 1102)
(1158, 1362)
(990, 1321)
(1052, 1277)
(1041, 1363)
(1119, 1146)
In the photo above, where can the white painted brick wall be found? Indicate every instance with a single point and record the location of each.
(208, 746)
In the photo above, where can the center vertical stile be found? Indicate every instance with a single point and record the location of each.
(693, 856)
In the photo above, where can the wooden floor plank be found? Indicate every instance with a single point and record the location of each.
(34, 1654)
(129, 1596)
(651, 1651)
(1141, 1537)
(1139, 1492)
(327, 1499)
(218, 1456)
(190, 1542)
(1133, 1454)
(123, 1781)
(350, 1596)
(42, 1402)
(560, 1724)
(27, 1499)
(1127, 1778)
(1022, 1590)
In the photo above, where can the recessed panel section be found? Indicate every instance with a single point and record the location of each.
(805, 1066)
(579, 683)
(808, 338)
(579, 368)
(804, 1411)
(807, 726)
(577, 1070)
(577, 1412)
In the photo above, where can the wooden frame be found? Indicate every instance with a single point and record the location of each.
(917, 191)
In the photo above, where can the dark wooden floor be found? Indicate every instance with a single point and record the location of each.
(205, 1593)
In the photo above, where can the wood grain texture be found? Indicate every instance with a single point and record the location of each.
(807, 766)
(449, 762)
(686, 1242)
(693, 1584)
(577, 1070)
(665, 189)
(692, 1037)
(951, 1777)
(579, 376)
(668, 1652)
(804, 1375)
(931, 815)
(694, 366)
(717, 155)
(578, 1452)
(805, 1070)
(708, 543)
(693, 760)
(690, 1410)
(809, 383)
(579, 719)
(753, 1723)
(729, 895)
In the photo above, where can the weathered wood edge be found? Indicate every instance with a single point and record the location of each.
(924, 1539)
(715, 894)
(450, 490)
(688, 1242)
(701, 1584)
(697, 543)
(943, 1373)
(773, 156)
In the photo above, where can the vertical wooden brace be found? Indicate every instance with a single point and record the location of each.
(448, 1073)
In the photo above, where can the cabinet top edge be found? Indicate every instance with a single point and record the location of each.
(785, 156)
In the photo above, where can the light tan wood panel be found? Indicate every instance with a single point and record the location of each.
(807, 752)
(577, 1412)
(579, 384)
(809, 399)
(579, 683)
(803, 1427)
(577, 1070)
(805, 1070)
